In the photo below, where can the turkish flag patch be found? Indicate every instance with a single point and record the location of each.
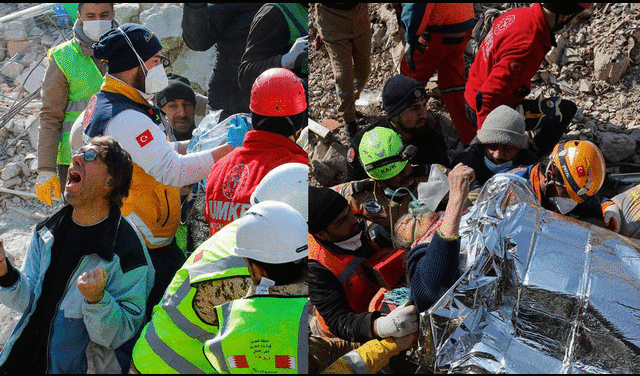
(144, 138)
(581, 172)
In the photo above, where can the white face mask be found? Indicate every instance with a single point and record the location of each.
(351, 244)
(94, 29)
(563, 204)
(156, 80)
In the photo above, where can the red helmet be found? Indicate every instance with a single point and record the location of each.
(277, 92)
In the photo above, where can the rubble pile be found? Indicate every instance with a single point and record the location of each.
(595, 65)
(24, 42)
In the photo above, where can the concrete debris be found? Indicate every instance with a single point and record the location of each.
(595, 65)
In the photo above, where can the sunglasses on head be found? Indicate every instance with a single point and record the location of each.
(89, 155)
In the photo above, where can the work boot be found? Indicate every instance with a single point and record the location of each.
(352, 128)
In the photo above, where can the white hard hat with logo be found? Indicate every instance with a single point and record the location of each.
(272, 232)
(288, 183)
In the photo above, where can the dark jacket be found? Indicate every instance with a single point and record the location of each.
(268, 40)
(227, 26)
(433, 268)
(327, 294)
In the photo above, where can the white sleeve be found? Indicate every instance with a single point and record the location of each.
(148, 146)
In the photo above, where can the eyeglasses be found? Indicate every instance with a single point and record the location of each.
(165, 61)
(89, 155)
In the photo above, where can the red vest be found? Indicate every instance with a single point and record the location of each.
(350, 272)
(233, 178)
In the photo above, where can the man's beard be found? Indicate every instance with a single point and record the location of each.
(138, 80)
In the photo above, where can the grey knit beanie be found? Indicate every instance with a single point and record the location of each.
(503, 125)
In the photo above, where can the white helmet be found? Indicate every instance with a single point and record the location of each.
(288, 183)
(272, 232)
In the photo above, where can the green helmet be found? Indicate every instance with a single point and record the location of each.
(382, 153)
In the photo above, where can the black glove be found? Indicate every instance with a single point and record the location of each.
(423, 41)
(408, 55)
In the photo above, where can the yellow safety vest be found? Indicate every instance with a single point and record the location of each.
(297, 17)
(261, 334)
(172, 341)
(84, 80)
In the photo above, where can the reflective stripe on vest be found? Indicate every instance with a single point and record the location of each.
(146, 232)
(178, 363)
(252, 336)
(173, 339)
(358, 288)
(84, 79)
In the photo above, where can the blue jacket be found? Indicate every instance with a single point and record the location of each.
(86, 335)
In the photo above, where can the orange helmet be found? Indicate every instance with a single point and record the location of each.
(582, 167)
(277, 92)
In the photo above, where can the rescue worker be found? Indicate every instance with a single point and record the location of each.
(404, 101)
(121, 109)
(569, 178)
(621, 213)
(267, 330)
(72, 77)
(225, 25)
(278, 110)
(436, 37)
(507, 60)
(501, 145)
(369, 358)
(278, 38)
(172, 341)
(340, 254)
(345, 30)
(392, 184)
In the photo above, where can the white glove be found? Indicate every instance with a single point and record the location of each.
(401, 322)
(47, 182)
(301, 46)
(611, 214)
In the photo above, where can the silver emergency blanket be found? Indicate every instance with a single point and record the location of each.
(540, 293)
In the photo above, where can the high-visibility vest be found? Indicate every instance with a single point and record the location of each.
(172, 341)
(358, 288)
(297, 17)
(261, 334)
(84, 80)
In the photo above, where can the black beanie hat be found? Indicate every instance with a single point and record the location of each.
(325, 205)
(400, 92)
(113, 47)
(179, 88)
